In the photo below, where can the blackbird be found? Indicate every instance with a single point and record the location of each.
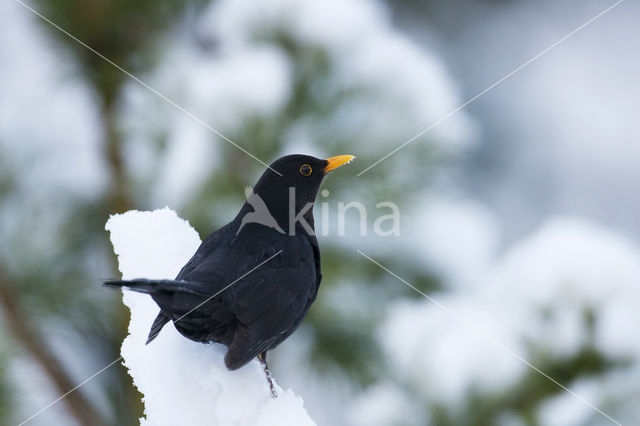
(251, 282)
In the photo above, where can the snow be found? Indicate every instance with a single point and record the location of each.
(382, 87)
(569, 266)
(531, 299)
(458, 237)
(381, 404)
(444, 359)
(564, 409)
(47, 163)
(40, 102)
(185, 382)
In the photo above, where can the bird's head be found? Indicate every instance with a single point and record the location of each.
(294, 179)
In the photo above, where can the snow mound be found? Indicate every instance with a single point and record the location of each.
(185, 382)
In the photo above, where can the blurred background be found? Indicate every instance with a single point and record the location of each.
(519, 213)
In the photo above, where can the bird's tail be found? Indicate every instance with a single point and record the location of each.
(159, 289)
(158, 323)
(143, 285)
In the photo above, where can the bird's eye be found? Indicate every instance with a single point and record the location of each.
(305, 170)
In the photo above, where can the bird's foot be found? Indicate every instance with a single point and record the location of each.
(263, 361)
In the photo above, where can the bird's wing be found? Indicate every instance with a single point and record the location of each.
(209, 262)
(316, 257)
(218, 264)
(270, 305)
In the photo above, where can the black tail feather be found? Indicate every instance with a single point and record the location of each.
(147, 287)
(158, 323)
(163, 293)
(143, 285)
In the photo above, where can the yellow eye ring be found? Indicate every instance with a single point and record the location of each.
(305, 170)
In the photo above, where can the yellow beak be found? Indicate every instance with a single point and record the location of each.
(337, 161)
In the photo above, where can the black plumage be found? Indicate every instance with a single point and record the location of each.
(263, 276)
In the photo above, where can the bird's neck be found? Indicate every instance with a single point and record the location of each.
(290, 219)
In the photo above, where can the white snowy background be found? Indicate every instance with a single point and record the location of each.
(528, 221)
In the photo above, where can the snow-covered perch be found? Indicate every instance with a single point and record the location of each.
(185, 382)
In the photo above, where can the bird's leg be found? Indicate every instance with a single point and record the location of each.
(263, 361)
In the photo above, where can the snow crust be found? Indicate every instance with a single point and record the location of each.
(185, 382)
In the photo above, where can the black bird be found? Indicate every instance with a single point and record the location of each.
(251, 282)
